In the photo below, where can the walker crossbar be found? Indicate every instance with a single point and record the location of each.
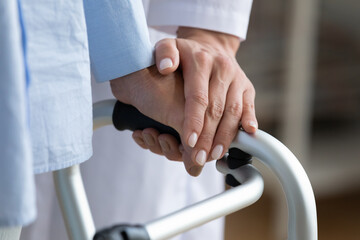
(300, 198)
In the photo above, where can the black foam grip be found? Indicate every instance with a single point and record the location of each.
(231, 181)
(123, 232)
(237, 158)
(127, 117)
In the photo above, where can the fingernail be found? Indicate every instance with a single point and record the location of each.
(192, 139)
(165, 63)
(149, 140)
(195, 171)
(201, 157)
(252, 124)
(217, 151)
(165, 147)
(139, 140)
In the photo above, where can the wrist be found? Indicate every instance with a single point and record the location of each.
(126, 87)
(219, 40)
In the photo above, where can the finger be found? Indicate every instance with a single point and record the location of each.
(138, 138)
(170, 147)
(193, 169)
(248, 118)
(229, 124)
(196, 72)
(218, 89)
(167, 56)
(150, 136)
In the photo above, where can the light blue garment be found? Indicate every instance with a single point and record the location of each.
(60, 123)
(117, 49)
(16, 171)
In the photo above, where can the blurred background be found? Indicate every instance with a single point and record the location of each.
(303, 57)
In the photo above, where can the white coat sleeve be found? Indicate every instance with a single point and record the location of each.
(227, 16)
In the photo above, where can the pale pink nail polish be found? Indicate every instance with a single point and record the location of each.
(201, 157)
(252, 124)
(192, 139)
(165, 63)
(217, 151)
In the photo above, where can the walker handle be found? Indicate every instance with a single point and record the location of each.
(127, 117)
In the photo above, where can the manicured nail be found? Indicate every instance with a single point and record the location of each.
(165, 63)
(149, 140)
(201, 157)
(217, 151)
(165, 147)
(252, 124)
(192, 139)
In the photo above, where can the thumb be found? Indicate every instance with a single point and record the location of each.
(193, 168)
(166, 55)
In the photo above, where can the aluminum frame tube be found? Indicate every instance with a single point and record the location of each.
(296, 185)
(217, 206)
(302, 218)
(73, 202)
(70, 189)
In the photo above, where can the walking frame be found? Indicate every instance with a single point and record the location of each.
(248, 182)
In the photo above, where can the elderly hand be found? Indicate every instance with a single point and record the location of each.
(160, 97)
(218, 95)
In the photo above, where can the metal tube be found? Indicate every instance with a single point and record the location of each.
(70, 189)
(296, 185)
(73, 202)
(10, 233)
(219, 205)
(102, 113)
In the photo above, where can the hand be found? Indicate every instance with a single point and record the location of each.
(161, 98)
(218, 95)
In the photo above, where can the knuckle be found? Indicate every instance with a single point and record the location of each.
(235, 109)
(196, 121)
(200, 98)
(223, 62)
(253, 91)
(249, 107)
(202, 57)
(215, 110)
(164, 43)
(206, 138)
(227, 134)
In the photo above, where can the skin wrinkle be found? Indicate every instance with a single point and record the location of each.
(214, 88)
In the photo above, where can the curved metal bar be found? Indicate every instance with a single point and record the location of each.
(217, 206)
(102, 113)
(70, 189)
(302, 223)
(296, 185)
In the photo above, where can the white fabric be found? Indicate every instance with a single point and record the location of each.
(228, 16)
(127, 184)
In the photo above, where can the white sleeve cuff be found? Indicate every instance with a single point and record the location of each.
(227, 16)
